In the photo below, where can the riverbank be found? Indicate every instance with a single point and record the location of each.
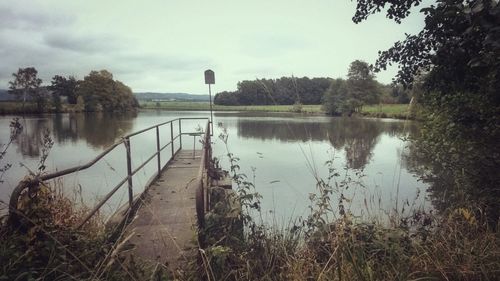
(327, 244)
(17, 108)
(396, 111)
(12, 107)
(203, 106)
(454, 246)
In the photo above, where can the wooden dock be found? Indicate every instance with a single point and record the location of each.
(166, 215)
(163, 230)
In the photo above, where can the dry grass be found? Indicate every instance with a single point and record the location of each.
(44, 244)
(428, 248)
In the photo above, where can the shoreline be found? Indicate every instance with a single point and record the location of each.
(391, 111)
(384, 111)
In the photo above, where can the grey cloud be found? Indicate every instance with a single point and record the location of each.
(271, 45)
(81, 43)
(256, 70)
(19, 56)
(77, 56)
(159, 62)
(17, 17)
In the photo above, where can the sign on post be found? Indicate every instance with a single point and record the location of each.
(209, 77)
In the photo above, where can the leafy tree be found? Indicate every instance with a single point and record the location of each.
(459, 43)
(336, 100)
(56, 102)
(400, 94)
(315, 90)
(363, 89)
(394, 93)
(459, 51)
(80, 104)
(41, 96)
(349, 96)
(124, 98)
(26, 83)
(64, 87)
(285, 90)
(252, 93)
(100, 92)
(226, 98)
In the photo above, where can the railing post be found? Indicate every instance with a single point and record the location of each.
(158, 149)
(129, 172)
(172, 138)
(208, 146)
(208, 157)
(180, 134)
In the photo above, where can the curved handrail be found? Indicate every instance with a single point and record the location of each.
(30, 182)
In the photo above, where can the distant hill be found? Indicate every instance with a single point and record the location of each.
(171, 96)
(4, 95)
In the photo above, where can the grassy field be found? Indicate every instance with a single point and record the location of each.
(177, 105)
(12, 107)
(399, 111)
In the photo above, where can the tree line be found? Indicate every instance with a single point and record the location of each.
(98, 91)
(339, 96)
(284, 90)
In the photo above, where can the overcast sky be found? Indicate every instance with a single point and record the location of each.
(165, 45)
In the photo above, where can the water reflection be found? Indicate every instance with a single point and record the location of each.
(30, 140)
(473, 183)
(99, 130)
(281, 167)
(355, 136)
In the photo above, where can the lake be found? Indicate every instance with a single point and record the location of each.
(283, 154)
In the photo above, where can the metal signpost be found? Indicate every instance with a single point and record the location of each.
(210, 79)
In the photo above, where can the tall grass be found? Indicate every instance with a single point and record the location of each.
(422, 246)
(42, 241)
(332, 244)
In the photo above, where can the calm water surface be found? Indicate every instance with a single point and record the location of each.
(283, 154)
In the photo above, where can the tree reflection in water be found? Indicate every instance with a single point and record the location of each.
(356, 136)
(98, 129)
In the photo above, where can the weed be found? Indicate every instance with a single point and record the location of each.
(332, 244)
(44, 243)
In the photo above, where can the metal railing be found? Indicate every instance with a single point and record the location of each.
(202, 195)
(27, 183)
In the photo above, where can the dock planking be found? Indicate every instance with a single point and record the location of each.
(163, 230)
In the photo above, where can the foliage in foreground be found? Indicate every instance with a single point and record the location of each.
(456, 58)
(40, 239)
(332, 244)
(454, 246)
(45, 244)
